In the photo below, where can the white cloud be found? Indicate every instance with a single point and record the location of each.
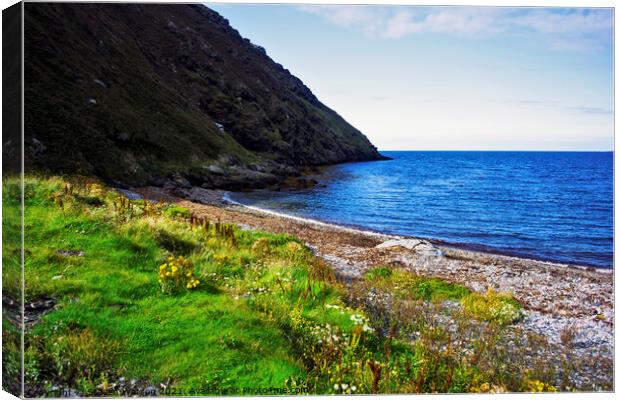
(579, 21)
(463, 21)
(565, 29)
(367, 19)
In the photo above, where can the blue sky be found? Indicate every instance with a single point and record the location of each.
(449, 78)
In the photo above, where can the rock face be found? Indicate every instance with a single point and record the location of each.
(141, 93)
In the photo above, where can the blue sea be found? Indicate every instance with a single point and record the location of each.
(555, 206)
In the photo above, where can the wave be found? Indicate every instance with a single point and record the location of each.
(312, 221)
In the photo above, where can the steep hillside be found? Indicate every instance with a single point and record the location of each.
(144, 93)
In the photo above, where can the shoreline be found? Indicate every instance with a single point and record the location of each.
(217, 202)
(556, 298)
(226, 201)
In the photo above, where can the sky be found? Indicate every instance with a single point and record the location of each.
(449, 78)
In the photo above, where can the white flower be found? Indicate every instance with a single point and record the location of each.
(336, 386)
(344, 386)
(353, 388)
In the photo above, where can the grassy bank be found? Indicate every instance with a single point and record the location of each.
(147, 296)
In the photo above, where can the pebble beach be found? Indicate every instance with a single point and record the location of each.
(556, 298)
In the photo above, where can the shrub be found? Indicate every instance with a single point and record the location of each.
(177, 211)
(380, 272)
(436, 289)
(96, 189)
(293, 247)
(81, 357)
(534, 385)
(492, 307)
(11, 358)
(221, 258)
(261, 247)
(176, 274)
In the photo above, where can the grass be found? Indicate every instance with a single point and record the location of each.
(266, 313)
(489, 307)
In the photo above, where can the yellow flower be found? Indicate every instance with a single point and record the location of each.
(175, 273)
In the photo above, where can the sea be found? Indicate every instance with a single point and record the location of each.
(551, 206)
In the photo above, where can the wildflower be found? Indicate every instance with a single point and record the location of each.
(177, 273)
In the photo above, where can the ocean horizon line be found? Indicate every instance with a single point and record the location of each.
(498, 151)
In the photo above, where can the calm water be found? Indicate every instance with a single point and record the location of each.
(545, 205)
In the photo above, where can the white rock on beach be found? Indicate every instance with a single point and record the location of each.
(416, 245)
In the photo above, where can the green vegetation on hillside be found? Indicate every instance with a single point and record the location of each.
(139, 93)
(146, 292)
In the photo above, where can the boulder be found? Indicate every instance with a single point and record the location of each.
(215, 169)
(177, 181)
(418, 246)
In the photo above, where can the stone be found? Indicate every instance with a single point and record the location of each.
(216, 169)
(179, 180)
(74, 253)
(69, 393)
(100, 83)
(228, 159)
(130, 195)
(38, 147)
(206, 196)
(418, 246)
(257, 167)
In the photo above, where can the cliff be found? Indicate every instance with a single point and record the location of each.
(148, 94)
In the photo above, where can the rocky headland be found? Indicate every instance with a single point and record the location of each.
(169, 95)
